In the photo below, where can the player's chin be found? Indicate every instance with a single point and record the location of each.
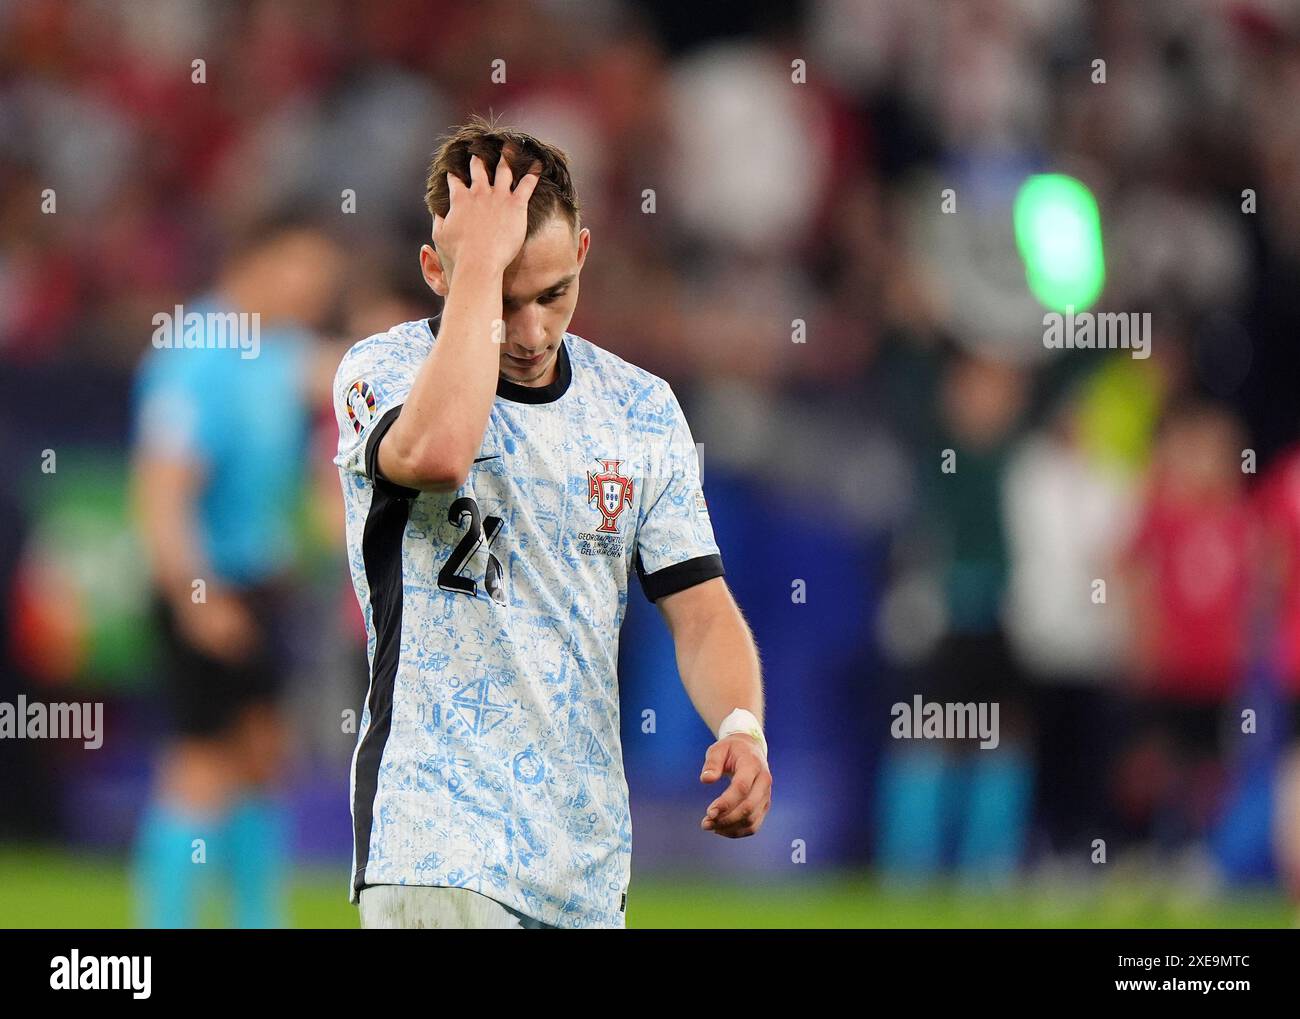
(524, 375)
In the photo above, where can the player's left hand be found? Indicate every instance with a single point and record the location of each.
(740, 810)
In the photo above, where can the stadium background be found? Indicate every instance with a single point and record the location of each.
(823, 202)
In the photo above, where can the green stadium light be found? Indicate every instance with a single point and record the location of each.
(1058, 232)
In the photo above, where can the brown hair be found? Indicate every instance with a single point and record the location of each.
(483, 138)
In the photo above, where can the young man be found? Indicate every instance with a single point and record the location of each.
(502, 477)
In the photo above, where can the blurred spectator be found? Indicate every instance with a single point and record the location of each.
(1278, 500)
(1189, 566)
(978, 798)
(1066, 514)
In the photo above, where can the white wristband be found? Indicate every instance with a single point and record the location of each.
(744, 721)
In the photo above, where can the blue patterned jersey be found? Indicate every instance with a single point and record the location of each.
(488, 754)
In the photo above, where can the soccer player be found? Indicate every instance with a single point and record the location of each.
(502, 477)
(220, 449)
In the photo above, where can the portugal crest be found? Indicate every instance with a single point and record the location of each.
(611, 492)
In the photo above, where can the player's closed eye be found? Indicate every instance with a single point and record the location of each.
(545, 299)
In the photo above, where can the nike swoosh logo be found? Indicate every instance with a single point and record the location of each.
(480, 459)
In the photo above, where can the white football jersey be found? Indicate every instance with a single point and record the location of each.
(488, 755)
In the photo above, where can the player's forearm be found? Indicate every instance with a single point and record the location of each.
(719, 665)
(433, 442)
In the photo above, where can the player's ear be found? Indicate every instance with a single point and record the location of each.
(434, 272)
(584, 242)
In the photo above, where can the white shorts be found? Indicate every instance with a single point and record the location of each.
(387, 907)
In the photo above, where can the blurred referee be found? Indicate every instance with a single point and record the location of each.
(222, 421)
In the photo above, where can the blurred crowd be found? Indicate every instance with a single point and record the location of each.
(1115, 558)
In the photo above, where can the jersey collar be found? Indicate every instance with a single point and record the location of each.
(516, 393)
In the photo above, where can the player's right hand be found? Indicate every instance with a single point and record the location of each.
(487, 222)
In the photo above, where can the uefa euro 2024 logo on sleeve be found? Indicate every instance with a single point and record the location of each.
(361, 405)
(611, 492)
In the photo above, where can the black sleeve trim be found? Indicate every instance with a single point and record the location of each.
(372, 457)
(679, 576)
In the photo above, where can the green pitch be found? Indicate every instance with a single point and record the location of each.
(54, 888)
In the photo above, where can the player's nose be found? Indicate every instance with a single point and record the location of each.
(526, 334)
